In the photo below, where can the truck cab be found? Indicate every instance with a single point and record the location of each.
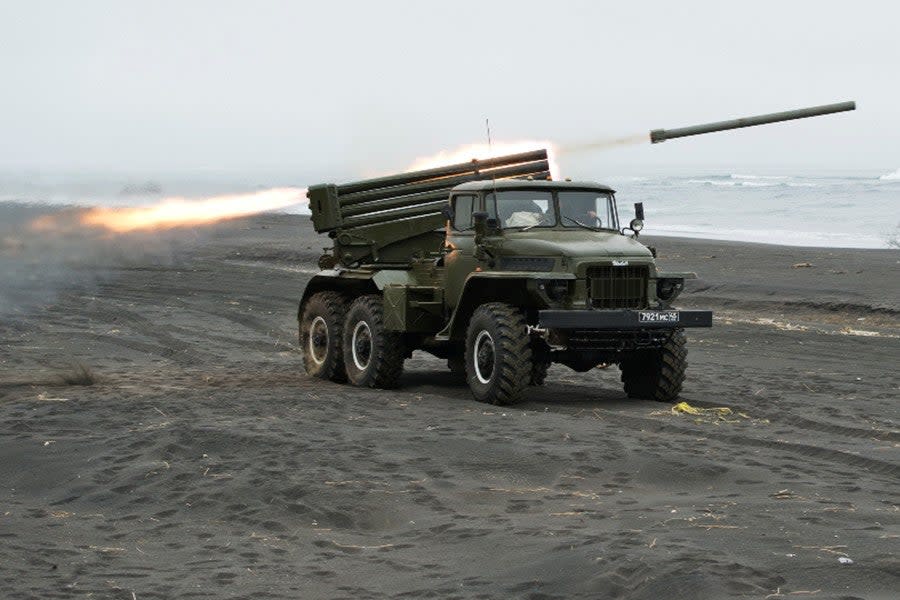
(550, 227)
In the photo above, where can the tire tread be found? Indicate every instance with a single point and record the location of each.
(334, 307)
(512, 343)
(387, 357)
(657, 374)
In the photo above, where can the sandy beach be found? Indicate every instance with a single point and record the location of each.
(202, 462)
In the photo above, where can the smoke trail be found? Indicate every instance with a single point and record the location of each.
(36, 265)
(603, 144)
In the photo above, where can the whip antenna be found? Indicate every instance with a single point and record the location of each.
(487, 125)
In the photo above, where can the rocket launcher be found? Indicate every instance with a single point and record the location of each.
(391, 219)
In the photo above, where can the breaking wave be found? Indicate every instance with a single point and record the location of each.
(727, 183)
(736, 176)
(763, 181)
(891, 176)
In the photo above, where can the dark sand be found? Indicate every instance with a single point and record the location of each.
(205, 464)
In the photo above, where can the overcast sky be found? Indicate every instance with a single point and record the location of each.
(339, 88)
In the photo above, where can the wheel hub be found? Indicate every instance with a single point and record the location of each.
(361, 345)
(484, 357)
(318, 340)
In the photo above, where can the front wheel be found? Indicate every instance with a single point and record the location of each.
(656, 374)
(498, 354)
(373, 355)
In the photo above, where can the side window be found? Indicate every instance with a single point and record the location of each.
(462, 212)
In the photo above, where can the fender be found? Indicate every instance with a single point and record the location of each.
(516, 287)
(349, 281)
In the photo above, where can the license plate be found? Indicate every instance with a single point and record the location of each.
(658, 316)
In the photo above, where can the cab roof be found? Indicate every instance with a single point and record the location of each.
(527, 184)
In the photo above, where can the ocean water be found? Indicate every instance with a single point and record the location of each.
(851, 209)
(846, 210)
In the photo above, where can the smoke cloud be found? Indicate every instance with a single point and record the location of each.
(36, 264)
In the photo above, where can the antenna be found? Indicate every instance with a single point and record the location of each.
(487, 125)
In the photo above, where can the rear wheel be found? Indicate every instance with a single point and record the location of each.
(321, 324)
(498, 354)
(656, 374)
(373, 356)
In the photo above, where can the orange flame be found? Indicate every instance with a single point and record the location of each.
(177, 211)
(481, 151)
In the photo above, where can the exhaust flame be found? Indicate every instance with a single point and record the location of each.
(177, 211)
(482, 151)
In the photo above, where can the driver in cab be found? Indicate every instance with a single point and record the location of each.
(582, 211)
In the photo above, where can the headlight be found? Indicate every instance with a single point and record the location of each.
(636, 225)
(558, 289)
(668, 289)
(555, 289)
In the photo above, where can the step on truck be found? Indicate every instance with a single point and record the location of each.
(500, 271)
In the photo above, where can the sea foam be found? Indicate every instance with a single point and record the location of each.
(737, 176)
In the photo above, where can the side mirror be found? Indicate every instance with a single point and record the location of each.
(447, 211)
(639, 210)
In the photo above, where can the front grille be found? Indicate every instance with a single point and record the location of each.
(526, 263)
(618, 287)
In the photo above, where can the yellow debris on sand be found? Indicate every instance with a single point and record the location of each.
(684, 407)
(716, 414)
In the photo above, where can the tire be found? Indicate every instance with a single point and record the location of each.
(656, 374)
(498, 354)
(373, 356)
(321, 336)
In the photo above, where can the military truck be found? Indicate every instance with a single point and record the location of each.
(501, 271)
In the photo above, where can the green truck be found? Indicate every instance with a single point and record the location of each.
(499, 270)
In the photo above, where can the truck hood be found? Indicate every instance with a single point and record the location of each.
(574, 244)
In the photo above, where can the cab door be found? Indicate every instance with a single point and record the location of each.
(460, 259)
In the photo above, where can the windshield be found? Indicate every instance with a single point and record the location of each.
(538, 208)
(521, 208)
(588, 208)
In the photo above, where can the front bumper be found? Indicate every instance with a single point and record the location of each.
(623, 319)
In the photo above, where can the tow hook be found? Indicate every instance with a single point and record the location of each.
(538, 331)
(643, 338)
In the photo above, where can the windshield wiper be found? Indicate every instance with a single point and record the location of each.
(580, 224)
(541, 222)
